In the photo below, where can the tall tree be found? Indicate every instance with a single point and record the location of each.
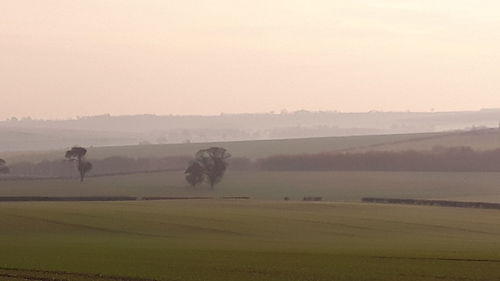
(77, 154)
(211, 164)
(4, 169)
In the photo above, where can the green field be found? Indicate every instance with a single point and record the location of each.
(249, 240)
(479, 140)
(251, 149)
(332, 186)
(265, 238)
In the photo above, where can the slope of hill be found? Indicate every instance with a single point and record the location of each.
(249, 149)
(479, 140)
(486, 139)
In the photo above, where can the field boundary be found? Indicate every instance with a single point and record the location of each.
(109, 198)
(440, 203)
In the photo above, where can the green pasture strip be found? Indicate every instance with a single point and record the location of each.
(331, 186)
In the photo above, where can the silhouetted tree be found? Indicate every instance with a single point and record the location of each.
(194, 173)
(78, 154)
(4, 169)
(212, 162)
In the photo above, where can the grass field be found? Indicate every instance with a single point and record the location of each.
(247, 240)
(250, 149)
(265, 238)
(332, 186)
(479, 140)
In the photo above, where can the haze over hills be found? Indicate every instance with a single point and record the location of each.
(106, 130)
(478, 140)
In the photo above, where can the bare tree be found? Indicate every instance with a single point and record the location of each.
(77, 154)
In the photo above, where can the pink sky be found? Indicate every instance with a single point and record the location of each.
(62, 58)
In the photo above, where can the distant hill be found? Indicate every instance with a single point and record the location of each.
(36, 139)
(104, 130)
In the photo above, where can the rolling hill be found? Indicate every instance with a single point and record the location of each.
(250, 149)
(479, 139)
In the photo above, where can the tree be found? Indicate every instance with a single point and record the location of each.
(77, 154)
(84, 167)
(194, 173)
(210, 164)
(214, 162)
(4, 169)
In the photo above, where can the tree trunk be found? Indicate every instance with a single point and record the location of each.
(80, 169)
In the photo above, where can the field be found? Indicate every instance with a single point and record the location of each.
(247, 240)
(332, 186)
(265, 238)
(250, 149)
(478, 140)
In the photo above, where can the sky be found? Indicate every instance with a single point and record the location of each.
(62, 58)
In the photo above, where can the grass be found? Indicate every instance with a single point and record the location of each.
(332, 186)
(251, 149)
(479, 140)
(249, 240)
(253, 239)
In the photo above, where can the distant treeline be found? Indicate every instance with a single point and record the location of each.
(456, 159)
(110, 166)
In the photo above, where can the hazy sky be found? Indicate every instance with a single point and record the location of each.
(83, 57)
